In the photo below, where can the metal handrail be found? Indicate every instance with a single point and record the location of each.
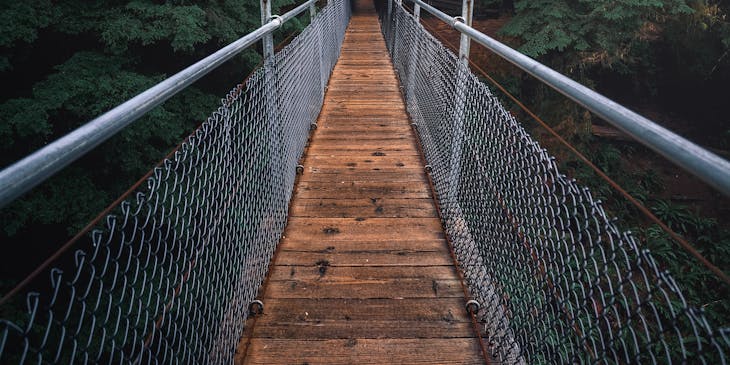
(20, 177)
(709, 167)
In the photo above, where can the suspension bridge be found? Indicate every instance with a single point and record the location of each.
(362, 197)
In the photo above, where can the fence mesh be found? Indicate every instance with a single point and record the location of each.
(168, 276)
(558, 281)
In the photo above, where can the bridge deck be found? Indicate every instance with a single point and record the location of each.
(363, 274)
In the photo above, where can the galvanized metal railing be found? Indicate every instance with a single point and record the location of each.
(709, 167)
(557, 280)
(44, 163)
(168, 276)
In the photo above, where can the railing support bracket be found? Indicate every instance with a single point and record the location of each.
(255, 308)
(472, 306)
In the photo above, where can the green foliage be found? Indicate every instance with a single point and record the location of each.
(71, 198)
(586, 31)
(84, 86)
(147, 24)
(700, 287)
(103, 52)
(702, 38)
(20, 22)
(545, 25)
(668, 56)
(674, 215)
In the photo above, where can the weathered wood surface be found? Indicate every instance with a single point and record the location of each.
(363, 275)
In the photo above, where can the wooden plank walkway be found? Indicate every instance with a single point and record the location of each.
(363, 275)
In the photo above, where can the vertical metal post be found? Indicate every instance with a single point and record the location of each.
(413, 58)
(269, 38)
(312, 12)
(273, 125)
(467, 11)
(395, 35)
(269, 64)
(457, 141)
(389, 25)
(319, 29)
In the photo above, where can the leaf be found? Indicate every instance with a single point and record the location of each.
(21, 20)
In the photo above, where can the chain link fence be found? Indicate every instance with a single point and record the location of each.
(557, 280)
(168, 276)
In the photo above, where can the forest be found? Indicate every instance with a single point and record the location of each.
(667, 60)
(64, 62)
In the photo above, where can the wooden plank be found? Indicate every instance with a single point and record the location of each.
(305, 244)
(364, 318)
(365, 101)
(364, 157)
(373, 133)
(354, 170)
(292, 310)
(366, 289)
(383, 83)
(372, 144)
(363, 189)
(365, 111)
(463, 351)
(364, 258)
(363, 125)
(370, 117)
(373, 160)
(353, 87)
(351, 273)
(319, 149)
(363, 274)
(365, 208)
(396, 174)
(367, 126)
(360, 119)
(331, 230)
(323, 329)
(382, 138)
(392, 106)
(340, 96)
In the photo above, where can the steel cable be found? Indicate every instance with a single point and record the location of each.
(558, 280)
(166, 274)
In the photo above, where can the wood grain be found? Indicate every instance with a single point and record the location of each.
(363, 208)
(363, 274)
(462, 351)
(351, 273)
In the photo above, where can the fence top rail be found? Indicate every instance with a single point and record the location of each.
(709, 167)
(37, 167)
